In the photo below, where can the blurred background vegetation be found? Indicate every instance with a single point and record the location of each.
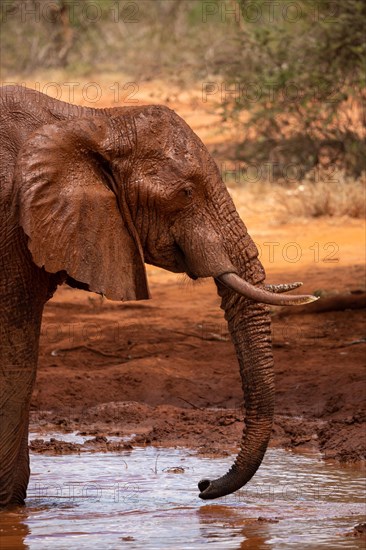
(290, 75)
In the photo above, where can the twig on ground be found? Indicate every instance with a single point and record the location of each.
(192, 404)
(353, 343)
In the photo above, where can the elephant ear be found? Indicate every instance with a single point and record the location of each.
(74, 220)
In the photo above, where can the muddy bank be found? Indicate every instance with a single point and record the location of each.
(163, 372)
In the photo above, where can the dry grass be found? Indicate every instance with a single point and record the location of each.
(323, 198)
(282, 204)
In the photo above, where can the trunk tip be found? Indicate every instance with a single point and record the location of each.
(204, 487)
(210, 489)
(203, 484)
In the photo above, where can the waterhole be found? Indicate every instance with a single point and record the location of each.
(148, 498)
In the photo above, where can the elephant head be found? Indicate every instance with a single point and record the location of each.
(99, 196)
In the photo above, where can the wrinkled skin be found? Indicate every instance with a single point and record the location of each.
(87, 197)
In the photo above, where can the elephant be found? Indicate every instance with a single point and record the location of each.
(87, 198)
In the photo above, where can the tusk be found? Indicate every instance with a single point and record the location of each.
(278, 289)
(236, 283)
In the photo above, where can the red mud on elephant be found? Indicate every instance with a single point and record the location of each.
(73, 179)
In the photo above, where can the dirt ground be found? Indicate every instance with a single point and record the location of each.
(164, 371)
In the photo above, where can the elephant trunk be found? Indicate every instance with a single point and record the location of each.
(249, 326)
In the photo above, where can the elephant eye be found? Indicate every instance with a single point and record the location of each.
(188, 192)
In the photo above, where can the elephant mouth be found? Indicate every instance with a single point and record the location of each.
(229, 278)
(181, 262)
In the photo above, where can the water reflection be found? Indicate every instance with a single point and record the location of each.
(14, 529)
(148, 498)
(242, 529)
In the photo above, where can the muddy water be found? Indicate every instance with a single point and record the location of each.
(147, 498)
